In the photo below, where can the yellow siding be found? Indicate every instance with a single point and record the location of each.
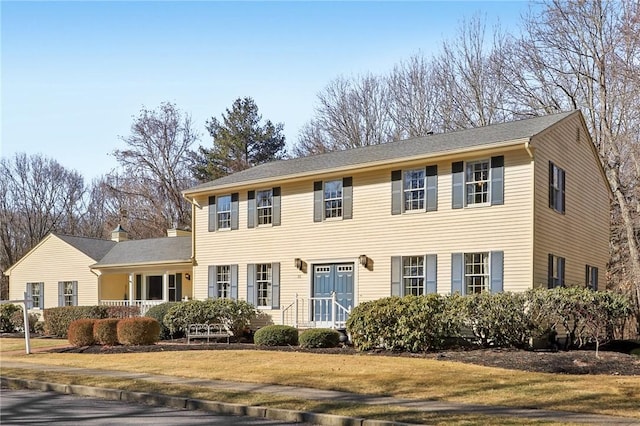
(581, 235)
(54, 261)
(374, 232)
(114, 286)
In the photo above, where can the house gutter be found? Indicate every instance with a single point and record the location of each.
(527, 147)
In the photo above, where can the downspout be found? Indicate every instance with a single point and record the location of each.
(527, 148)
(193, 203)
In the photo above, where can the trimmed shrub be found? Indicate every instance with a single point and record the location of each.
(276, 335)
(105, 331)
(17, 319)
(158, 312)
(235, 314)
(81, 332)
(57, 320)
(138, 331)
(123, 311)
(6, 313)
(319, 338)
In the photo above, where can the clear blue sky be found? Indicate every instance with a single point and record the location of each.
(74, 73)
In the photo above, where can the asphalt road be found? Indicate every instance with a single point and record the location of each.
(19, 407)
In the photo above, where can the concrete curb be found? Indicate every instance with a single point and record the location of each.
(196, 404)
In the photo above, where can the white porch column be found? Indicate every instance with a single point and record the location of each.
(131, 278)
(165, 287)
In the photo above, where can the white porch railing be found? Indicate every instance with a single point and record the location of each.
(143, 305)
(315, 312)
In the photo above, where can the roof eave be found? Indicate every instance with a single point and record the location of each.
(357, 167)
(180, 262)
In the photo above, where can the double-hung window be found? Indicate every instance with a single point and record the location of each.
(556, 188)
(264, 206)
(263, 284)
(476, 272)
(223, 279)
(591, 277)
(477, 182)
(413, 275)
(67, 293)
(223, 212)
(333, 199)
(414, 189)
(556, 271)
(223, 282)
(35, 292)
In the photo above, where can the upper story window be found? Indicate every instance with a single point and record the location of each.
(35, 291)
(333, 199)
(556, 271)
(223, 212)
(264, 207)
(414, 189)
(477, 182)
(556, 188)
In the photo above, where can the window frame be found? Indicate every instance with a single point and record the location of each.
(470, 286)
(68, 298)
(409, 286)
(264, 285)
(556, 271)
(408, 204)
(591, 277)
(474, 183)
(223, 287)
(336, 201)
(35, 287)
(557, 188)
(219, 213)
(264, 212)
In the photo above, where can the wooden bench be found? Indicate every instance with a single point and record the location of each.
(208, 331)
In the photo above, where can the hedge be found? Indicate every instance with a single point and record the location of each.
(81, 332)
(138, 331)
(57, 320)
(276, 335)
(235, 314)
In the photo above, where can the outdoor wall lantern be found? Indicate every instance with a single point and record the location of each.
(187, 276)
(300, 264)
(366, 261)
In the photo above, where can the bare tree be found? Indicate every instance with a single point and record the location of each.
(577, 54)
(350, 113)
(39, 196)
(156, 167)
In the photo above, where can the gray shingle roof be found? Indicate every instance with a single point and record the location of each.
(93, 247)
(152, 250)
(421, 146)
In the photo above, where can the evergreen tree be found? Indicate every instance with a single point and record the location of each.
(240, 141)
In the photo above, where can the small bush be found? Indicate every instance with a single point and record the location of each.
(138, 331)
(235, 314)
(319, 338)
(81, 332)
(276, 335)
(6, 313)
(105, 331)
(17, 319)
(123, 311)
(158, 312)
(57, 320)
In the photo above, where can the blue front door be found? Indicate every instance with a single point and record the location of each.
(329, 278)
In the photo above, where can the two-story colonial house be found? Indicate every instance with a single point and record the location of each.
(505, 207)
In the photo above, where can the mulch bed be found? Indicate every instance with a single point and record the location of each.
(567, 362)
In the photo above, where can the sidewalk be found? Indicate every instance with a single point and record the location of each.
(327, 395)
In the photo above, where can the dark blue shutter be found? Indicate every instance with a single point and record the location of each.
(396, 192)
(234, 210)
(178, 287)
(212, 213)
(432, 188)
(432, 273)
(276, 202)
(75, 293)
(457, 273)
(457, 177)
(396, 276)
(562, 177)
(317, 202)
(251, 209)
(497, 271)
(41, 305)
(347, 198)
(60, 294)
(251, 284)
(497, 180)
(233, 271)
(275, 285)
(212, 291)
(594, 279)
(551, 191)
(561, 270)
(550, 283)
